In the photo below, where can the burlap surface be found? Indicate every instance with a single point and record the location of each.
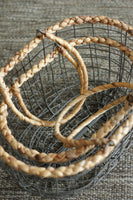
(19, 20)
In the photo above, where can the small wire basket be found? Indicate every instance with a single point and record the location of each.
(106, 48)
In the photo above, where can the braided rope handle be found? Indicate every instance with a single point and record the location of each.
(19, 56)
(78, 167)
(30, 73)
(74, 153)
(78, 20)
(58, 26)
(89, 162)
(81, 68)
(69, 141)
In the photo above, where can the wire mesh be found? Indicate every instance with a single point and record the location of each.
(50, 90)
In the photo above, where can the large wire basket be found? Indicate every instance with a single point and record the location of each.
(50, 90)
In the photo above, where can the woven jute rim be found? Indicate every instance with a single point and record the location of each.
(42, 157)
(54, 157)
(24, 77)
(80, 166)
(80, 146)
(88, 144)
(81, 68)
(29, 47)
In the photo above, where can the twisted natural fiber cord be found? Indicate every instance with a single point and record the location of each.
(43, 157)
(75, 168)
(24, 77)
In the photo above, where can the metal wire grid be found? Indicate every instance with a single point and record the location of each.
(50, 90)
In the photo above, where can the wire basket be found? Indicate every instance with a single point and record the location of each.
(50, 90)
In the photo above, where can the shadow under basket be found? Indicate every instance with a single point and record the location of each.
(51, 89)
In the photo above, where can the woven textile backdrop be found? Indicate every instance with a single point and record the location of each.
(19, 20)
